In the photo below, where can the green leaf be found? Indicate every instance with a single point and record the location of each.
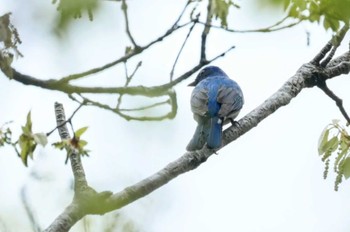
(29, 121)
(346, 168)
(61, 145)
(339, 158)
(332, 144)
(27, 146)
(322, 140)
(82, 143)
(40, 138)
(221, 10)
(27, 128)
(80, 131)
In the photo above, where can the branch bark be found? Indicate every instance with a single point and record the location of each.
(305, 77)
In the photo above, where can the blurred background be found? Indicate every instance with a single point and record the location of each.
(270, 179)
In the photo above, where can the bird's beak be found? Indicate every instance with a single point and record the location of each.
(192, 84)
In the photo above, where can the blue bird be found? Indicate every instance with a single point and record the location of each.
(215, 100)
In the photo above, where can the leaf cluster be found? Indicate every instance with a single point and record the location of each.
(74, 145)
(220, 10)
(73, 10)
(329, 13)
(9, 39)
(9, 35)
(5, 136)
(28, 140)
(334, 143)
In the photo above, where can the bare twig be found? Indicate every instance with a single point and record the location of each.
(125, 12)
(336, 41)
(128, 80)
(272, 28)
(339, 102)
(331, 45)
(137, 50)
(205, 32)
(183, 45)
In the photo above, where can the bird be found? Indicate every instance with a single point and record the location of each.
(215, 100)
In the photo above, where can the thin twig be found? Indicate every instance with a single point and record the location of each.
(205, 32)
(137, 50)
(124, 58)
(126, 18)
(271, 28)
(336, 41)
(146, 107)
(128, 80)
(182, 47)
(339, 102)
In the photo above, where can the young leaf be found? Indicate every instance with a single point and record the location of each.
(40, 138)
(322, 140)
(82, 143)
(331, 145)
(80, 131)
(27, 146)
(346, 168)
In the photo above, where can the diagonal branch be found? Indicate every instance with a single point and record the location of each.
(338, 101)
(182, 47)
(191, 160)
(126, 18)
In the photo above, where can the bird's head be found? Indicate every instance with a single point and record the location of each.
(207, 72)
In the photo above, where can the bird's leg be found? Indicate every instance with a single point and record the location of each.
(233, 122)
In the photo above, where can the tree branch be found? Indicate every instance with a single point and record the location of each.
(191, 160)
(205, 32)
(126, 18)
(80, 183)
(272, 28)
(91, 202)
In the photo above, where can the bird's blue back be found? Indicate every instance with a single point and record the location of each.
(214, 99)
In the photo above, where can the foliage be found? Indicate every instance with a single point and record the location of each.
(334, 143)
(74, 145)
(329, 13)
(28, 140)
(73, 9)
(5, 136)
(221, 10)
(9, 39)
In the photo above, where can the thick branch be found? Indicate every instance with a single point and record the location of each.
(192, 160)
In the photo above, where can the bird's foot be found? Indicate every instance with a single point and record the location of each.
(234, 123)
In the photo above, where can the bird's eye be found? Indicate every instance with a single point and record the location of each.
(201, 73)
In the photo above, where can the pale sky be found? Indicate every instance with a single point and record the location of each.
(270, 179)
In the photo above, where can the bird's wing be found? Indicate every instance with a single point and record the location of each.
(231, 100)
(199, 101)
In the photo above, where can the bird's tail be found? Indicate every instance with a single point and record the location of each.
(215, 133)
(200, 136)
